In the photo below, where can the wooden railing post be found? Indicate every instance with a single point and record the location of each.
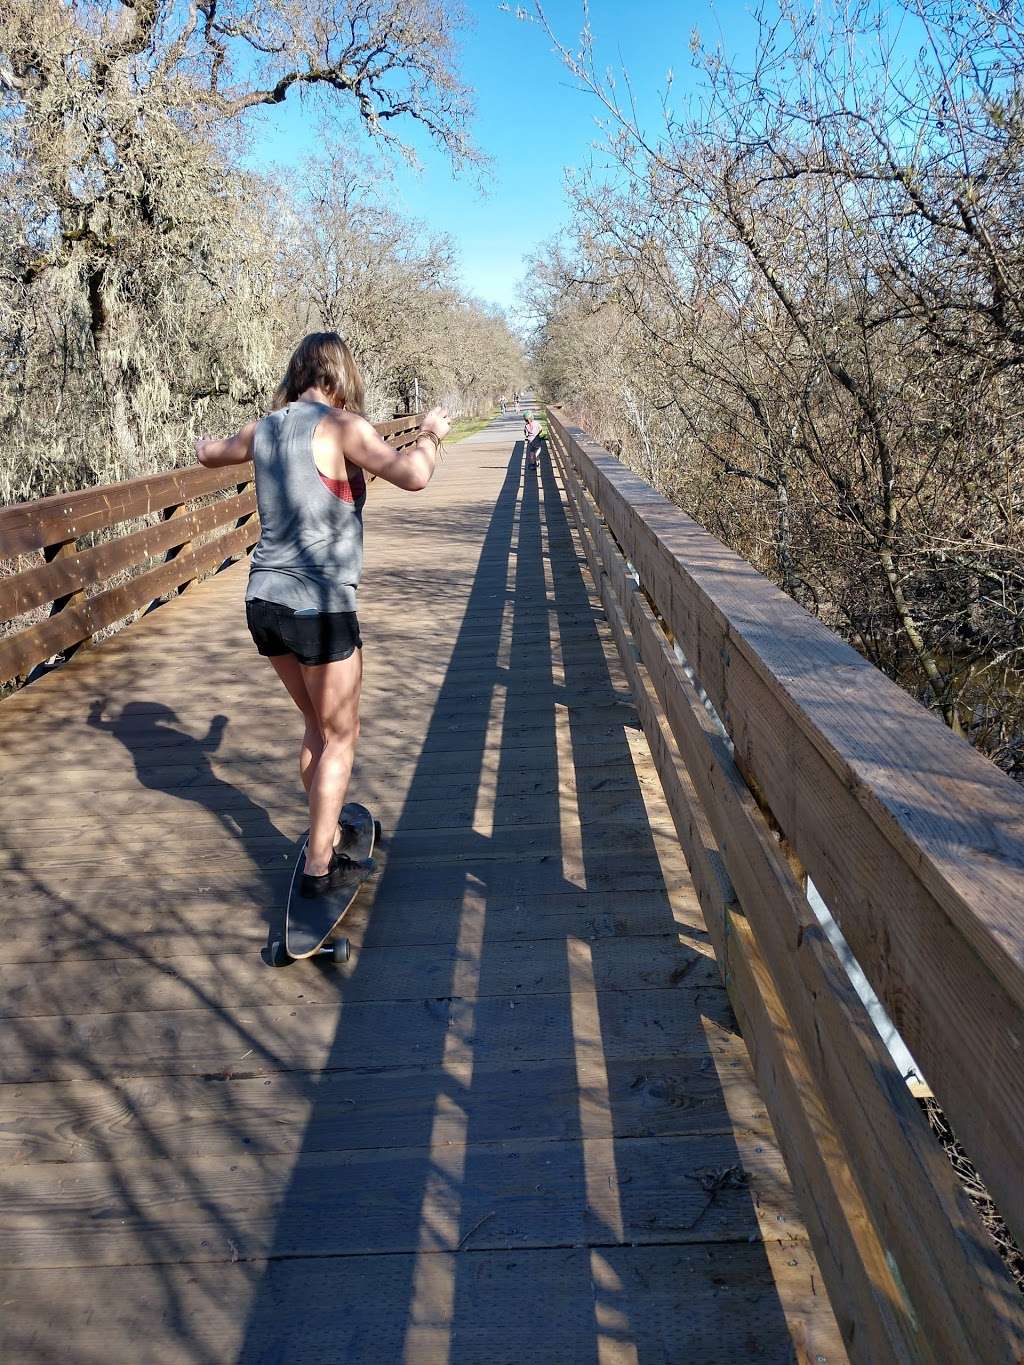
(62, 551)
(51, 553)
(247, 516)
(173, 513)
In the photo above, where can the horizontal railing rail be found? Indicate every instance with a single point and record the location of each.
(784, 755)
(206, 519)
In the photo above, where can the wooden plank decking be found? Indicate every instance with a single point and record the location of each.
(517, 1124)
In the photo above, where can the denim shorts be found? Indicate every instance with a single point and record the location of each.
(314, 637)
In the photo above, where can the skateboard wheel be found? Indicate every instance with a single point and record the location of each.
(378, 832)
(279, 954)
(341, 950)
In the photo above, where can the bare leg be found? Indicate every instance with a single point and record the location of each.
(289, 670)
(334, 692)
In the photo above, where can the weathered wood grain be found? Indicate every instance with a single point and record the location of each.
(931, 1232)
(378, 974)
(529, 1192)
(22, 650)
(214, 1041)
(27, 526)
(610, 795)
(179, 921)
(716, 1303)
(174, 1116)
(400, 426)
(262, 878)
(82, 570)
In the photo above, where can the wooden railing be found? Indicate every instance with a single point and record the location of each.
(73, 580)
(783, 754)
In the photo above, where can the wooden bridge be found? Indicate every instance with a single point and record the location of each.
(522, 1123)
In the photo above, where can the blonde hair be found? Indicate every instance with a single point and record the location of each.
(322, 360)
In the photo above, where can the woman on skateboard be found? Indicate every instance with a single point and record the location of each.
(309, 456)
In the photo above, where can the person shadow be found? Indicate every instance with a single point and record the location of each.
(169, 759)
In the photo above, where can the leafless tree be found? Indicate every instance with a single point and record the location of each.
(138, 260)
(817, 264)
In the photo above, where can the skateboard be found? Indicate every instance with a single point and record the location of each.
(310, 922)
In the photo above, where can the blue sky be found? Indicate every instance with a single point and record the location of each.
(530, 120)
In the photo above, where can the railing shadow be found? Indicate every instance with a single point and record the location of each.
(654, 1251)
(483, 1195)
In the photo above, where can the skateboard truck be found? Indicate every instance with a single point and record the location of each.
(337, 951)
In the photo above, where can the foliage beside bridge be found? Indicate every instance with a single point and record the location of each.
(799, 312)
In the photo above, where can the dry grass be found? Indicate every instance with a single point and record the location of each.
(976, 1191)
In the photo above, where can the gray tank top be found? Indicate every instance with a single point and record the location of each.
(310, 553)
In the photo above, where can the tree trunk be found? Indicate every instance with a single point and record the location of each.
(784, 535)
(123, 438)
(940, 682)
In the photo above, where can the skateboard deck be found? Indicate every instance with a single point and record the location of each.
(310, 922)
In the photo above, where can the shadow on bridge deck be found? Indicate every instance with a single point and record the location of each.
(518, 1123)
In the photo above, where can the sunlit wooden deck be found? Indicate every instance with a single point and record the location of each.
(518, 1124)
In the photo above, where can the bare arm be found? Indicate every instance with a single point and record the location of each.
(411, 468)
(235, 449)
(214, 735)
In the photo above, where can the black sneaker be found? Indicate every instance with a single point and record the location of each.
(309, 887)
